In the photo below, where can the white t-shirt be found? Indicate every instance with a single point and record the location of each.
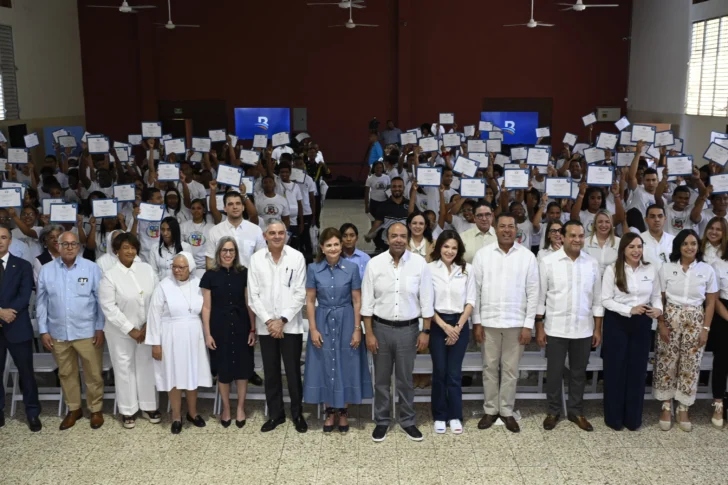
(293, 195)
(196, 235)
(523, 233)
(268, 208)
(378, 187)
(306, 188)
(148, 235)
(678, 220)
(34, 246)
(95, 187)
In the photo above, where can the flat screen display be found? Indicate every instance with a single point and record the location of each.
(519, 127)
(261, 121)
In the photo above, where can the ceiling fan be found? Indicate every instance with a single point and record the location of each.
(580, 7)
(531, 23)
(350, 24)
(344, 4)
(169, 25)
(125, 7)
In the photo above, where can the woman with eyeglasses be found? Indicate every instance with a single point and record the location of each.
(226, 321)
(124, 295)
(170, 244)
(554, 239)
(176, 336)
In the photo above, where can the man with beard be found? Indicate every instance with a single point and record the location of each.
(394, 209)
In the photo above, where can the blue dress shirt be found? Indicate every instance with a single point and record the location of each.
(360, 258)
(375, 153)
(67, 303)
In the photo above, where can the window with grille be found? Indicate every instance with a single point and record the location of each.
(9, 109)
(707, 89)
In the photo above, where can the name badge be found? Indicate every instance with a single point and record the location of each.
(83, 281)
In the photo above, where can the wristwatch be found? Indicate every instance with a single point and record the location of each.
(426, 331)
(284, 320)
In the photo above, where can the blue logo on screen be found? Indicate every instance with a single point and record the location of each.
(261, 121)
(519, 127)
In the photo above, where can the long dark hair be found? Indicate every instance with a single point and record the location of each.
(620, 276)
(427, 234)
(446, 235)
(547, 239)
(678, 242)
(179, 200)
(176, 234)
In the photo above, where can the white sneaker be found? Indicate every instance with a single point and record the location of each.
(718, 423)
(456, 426)
(440, 427)
(666, 425)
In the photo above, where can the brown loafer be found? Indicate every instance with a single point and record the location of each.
(487, 421)
(550, 422)
(511, 424)
(71, 419)
(581, 422)
(97, 420)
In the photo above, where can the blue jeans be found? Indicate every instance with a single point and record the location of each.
(447, 365)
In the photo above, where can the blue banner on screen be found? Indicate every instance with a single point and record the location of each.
(519, 127)
(261, 121)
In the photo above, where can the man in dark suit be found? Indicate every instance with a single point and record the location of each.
(16, 332)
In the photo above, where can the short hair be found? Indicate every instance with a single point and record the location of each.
(480, 204)
(346, 226)
(502, 215)
(569, 223)
(148, 192)
(49, 229)
(75, 236)
(396, 178)
(553, 204)
(217, 264)
(650, 171)
(273, 222)
(680, 189)
(125, 237)
(231, 193)
(7, 228)
(285, 158)
(654, 206)
(678, 242)
(396, 223)
(326, 234)
(284, 164)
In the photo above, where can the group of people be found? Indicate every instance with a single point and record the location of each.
(186, 298)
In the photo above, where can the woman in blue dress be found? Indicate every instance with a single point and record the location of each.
(336, 372)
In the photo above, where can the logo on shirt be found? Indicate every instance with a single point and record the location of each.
(380, 186)
(590, 227)
(196, 239)
(262, 123)
(510, 127)
(153, 231)
(519, 236)
(270, 210)
(83, 281)
(678, 223)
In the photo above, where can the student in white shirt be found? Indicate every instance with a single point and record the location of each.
(170, 244)
(147, 231)
(715, 240)
(657, 243)
(420, 236)
(553, 239)
(718, 339)
(308, 193)
(292, 194)
(506, 279)
(680, 213)
(173, 206)
(196, 232)
(573, 322)
(641, 196)
(270, 205)
(595, 201)
(453, 281)
(375, 189)
(248, 234)
(459, 216)
(719, 208)
(27, 229)
(631, 298)
(687, 282)
(601, 243)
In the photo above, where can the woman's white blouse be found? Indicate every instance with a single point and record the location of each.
(452, 290)
(720, 266)
(162, 264)
(687, 288)
(124, 295)
(606, 255)
(643, 285)
(711, 255)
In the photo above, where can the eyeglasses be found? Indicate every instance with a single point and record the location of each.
(67, 245)
(179, 268)
(554, 231)
(484, 216)
(228, 251)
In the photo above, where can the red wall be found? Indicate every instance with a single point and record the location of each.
(448, 57)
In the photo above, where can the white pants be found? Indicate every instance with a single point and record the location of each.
(133, 373)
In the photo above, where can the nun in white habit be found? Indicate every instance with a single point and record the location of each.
(174, 329)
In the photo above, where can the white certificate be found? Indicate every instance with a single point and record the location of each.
(125, 192)
(428, 144)
(249, 157)
(538, 156)
(714, 153)
(64, 213)
(175, 145)
(543, 132)
(229, 175)
(47, 204)
(608, 141)
(409, 138)
(151, 129)
(622, 123)
(472, 188)
(451, 140)
(233, 140)
(167, 136)
(680, 166)
(600, 176)
(298, 175)
(722, 142)
(589, 119)
(625, 138)
(643, 132)
(217, 135)
(429, 176)
(476, 146)
(517, 178)
(509, 166)
(481, 158)
(98, 144)
(624, 159)
(485, 126)
(10, 197)
(580, 147)
(168, 172)
(31, 141)
(493, 146)
(201, 144)
(466, 167)
(447, 118)
(86, 134)
(653, 152)
(416, 130)
(300, 137)
(570, 139)
(280, 139)
(664, 138)
(155, 154)
(501, 159)
(105, 208)
(59, 133)
(150, 212)
(67, 141)
(717, 134)
(677, 145)
(3, 164)
(248, 183)
(135, 139)
(17, 155)
(469, 130)
(594, 155)
(495, 135)
(558, 187)
(260, 141)
(196, 157)
(219, 198)
(519, 153)
(122, 154)
(719, 183)
(2, 138)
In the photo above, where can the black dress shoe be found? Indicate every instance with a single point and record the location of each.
(301, 424)
(256, 380)
(176, 427)
(224, 423)
(272, 424)
(34, 424)
(240, 424)
(197, 420)
(2, 420)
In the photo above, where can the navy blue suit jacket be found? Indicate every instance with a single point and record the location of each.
(15, 291)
